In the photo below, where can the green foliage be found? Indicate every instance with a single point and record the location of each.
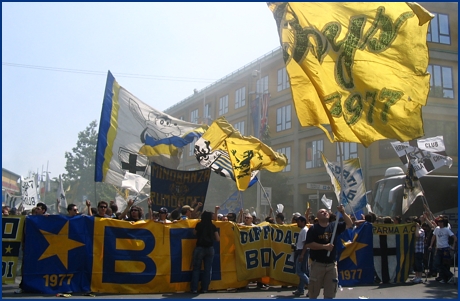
(80, 167)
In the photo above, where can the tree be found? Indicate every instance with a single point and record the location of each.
(80, 167)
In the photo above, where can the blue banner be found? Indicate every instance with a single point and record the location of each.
(173, 188)
(58, 254)
(355, 256)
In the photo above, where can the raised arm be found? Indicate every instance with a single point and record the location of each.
(216, 209)
(88, 205)
(125, 212)
(149, 202)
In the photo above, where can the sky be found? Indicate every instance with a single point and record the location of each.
(55, 58)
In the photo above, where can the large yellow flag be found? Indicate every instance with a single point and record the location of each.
(225, 150)
(358, 66)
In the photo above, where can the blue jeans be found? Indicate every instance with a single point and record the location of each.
(205, 255)
(301, 269)
(443, 263)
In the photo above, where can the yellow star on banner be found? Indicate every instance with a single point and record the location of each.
(350, 249)
(59, 244)
(8, 249)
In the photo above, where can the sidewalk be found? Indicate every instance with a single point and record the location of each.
(430, 289)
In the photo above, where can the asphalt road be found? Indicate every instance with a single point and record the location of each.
(430, 289)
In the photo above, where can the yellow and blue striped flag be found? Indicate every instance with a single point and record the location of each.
(132, 135)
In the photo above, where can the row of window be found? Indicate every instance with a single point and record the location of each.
(349, 150)
(441, 85)
(314, 150)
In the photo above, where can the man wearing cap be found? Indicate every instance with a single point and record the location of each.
(301, 267)
(163, 214)
(294, 217)
(186, 212)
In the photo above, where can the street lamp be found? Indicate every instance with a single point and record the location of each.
(258, 94)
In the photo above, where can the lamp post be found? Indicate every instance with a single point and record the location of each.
(259, 93)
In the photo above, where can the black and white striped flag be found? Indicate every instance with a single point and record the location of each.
(425, 155)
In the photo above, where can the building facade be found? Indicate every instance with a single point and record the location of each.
(10, 182)
(234, 97)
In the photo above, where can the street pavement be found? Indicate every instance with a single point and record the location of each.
(431, 289)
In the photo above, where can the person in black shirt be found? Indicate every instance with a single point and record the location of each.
(323, 271)
(206, 233)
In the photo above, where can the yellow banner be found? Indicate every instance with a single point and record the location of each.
(163, 255)
(12, 231)
(265, 250)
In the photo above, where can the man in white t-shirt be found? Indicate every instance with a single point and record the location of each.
(301, 264)
(441, 235)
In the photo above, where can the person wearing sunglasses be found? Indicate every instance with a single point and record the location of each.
(132, 213)
(247, 220)
(101, 209)
(72, 210)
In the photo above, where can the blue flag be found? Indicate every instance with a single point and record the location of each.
(232, 204)
(58, 254)
(355, 261)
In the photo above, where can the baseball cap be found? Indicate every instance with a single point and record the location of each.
(302, 219)
(296, 214)
(187, 207)
(163, 210)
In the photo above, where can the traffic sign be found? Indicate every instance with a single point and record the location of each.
(318, 186)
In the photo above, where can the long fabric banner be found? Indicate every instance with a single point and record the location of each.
(83, 253)
(12, 234)
(265, 250)
(173, 188)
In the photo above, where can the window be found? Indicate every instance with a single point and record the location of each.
(239, 126)
(287, 152)
(283, 81)
(441, 83)
(438, 30)
(262, 85)
(207, 113)
(194, 116)
(191, 150)
(240, 98)
(314, 149)
(223, 105)
(283, 118)
(349, 150)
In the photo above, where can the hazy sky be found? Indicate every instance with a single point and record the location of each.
(55, 58)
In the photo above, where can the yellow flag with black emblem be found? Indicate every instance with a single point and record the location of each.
(358, 67)
(248, 154)
(223, 149)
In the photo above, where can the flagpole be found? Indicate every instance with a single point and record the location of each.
(46, 177)
(340, 196)
(265, 193)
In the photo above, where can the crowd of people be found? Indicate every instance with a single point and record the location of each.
(314, 251)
